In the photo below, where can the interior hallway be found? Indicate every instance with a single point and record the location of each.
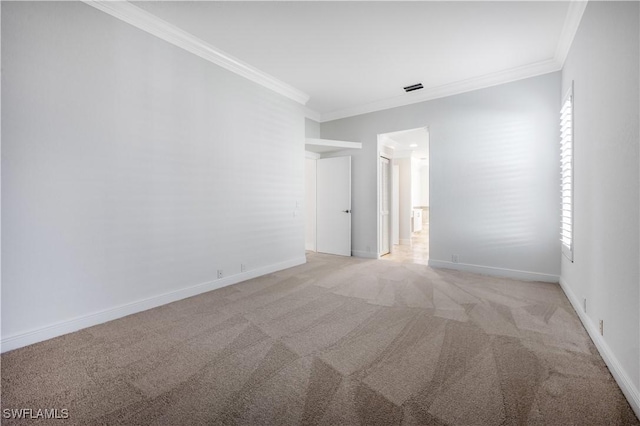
(418, 251)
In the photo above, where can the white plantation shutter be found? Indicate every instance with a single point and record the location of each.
(566, 163)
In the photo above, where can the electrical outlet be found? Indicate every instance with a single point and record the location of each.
(584, 305)
(219, 273)
(602, 327)
(243, 267)
(455, 258)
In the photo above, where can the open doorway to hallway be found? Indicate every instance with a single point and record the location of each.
(403, 196)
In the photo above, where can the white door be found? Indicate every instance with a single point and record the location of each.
(384, 206)
(333, 192)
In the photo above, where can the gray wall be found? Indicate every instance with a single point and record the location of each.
(311, 128)
(494, 173)
(132, 168)
(604, 64)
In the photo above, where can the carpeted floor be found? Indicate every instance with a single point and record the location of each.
(337, 341)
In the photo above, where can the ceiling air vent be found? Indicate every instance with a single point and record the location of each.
(413, 87)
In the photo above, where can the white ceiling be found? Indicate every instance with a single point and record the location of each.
(353, 57)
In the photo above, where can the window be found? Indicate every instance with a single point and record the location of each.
(566, 163)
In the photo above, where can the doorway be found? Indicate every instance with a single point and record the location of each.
(403, 194)
(328, 196)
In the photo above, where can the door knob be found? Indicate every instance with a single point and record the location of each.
(347, 211)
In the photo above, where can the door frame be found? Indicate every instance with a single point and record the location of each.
(382, 151)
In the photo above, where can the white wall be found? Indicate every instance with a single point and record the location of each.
(310, 204)
(416, 182)
(494, 174)
(395, 210)
(311, 130)
(405, 197)
(604, 64)
(132, 169)
(424, 183)
(419, 182)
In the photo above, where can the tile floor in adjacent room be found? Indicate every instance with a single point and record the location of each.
(418, 250)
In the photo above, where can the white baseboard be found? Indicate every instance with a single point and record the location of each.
(405, 241)
(618, 373)
(68, 326)
(499, 272)
(364, 254)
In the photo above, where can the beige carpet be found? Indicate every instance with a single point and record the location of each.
(337, 341)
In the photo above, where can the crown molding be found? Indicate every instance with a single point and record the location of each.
(456, 88)
(151, 24)
(569, 29)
